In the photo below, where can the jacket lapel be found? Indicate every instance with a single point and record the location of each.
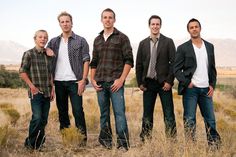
(147, 48)
(191, 51)
(160, 44)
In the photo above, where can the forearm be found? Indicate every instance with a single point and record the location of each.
(125, 72)
(85, 69)
(25, 77)
(92, 75)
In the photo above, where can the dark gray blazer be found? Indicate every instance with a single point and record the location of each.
(165, 60)
(186, 64)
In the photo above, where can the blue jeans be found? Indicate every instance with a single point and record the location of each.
(118, 105)
(40, 108)
(64, 90)
(149, 99)
(191, 98)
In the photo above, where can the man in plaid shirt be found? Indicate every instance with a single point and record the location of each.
(111, 63)
(35, 70)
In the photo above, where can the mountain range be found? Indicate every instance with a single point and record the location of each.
(225, 51)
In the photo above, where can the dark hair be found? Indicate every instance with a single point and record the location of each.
(154, 17)
(193, 20)
(109, 10)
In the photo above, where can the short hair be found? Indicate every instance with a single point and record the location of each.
(193, 20)
(109, 10)
(154, 17)
(64, 13)
(41, 30)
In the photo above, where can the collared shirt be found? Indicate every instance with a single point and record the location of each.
(37, 65)
(110, 56)
(63, 70)
(153, 43)
(78, 51)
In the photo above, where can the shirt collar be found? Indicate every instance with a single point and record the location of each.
(158, 37)
(39, 51)
(73, 35)
(115, 31)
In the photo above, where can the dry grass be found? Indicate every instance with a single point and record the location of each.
(58, 144)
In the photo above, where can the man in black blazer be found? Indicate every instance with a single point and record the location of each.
(195, 70)
(154, 74)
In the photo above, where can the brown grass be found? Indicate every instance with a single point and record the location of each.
(65, 145)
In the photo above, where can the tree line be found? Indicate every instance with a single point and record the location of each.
(10, 79)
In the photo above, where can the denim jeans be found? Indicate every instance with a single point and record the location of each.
(40, 108)
(191, 98)
(118, 105)
(64, 90)
(149, 99)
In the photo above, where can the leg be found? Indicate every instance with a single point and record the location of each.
(45, 111)
(62, 104)
(35, 123)
(149, 99)
(77, 108)
(207, 111)
(168, 112)
(105, 136)
(190, 98)
(118, 104)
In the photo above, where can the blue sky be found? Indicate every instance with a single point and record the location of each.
(21, 18)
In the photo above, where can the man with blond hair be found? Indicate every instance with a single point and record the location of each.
(70, 71)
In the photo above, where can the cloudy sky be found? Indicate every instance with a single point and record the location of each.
(21, 18)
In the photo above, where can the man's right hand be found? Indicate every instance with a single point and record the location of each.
(34, 90)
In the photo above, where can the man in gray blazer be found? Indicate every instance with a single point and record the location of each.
(154, 74)
(195, 70)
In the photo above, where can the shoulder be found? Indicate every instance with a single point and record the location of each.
(55, 39)
(121, 34)
(207, 43)
(29, 52)
(185, 44)
(165, 38)
(144, 41)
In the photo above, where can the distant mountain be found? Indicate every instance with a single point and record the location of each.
(11, 52)
(225, 51)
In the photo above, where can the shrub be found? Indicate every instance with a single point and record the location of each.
(11, 112)
(7, 135)
(71, 136)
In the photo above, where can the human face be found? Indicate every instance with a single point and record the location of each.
(108, 20)
(41, 39)
(194, 29)
(65, 24)
(155, 26)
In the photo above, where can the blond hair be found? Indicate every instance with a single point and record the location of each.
(64, 13)
(37, 32)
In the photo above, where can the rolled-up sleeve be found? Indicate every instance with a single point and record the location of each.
(25, 63)
(93, 63)
(85, 50)
(127, 52)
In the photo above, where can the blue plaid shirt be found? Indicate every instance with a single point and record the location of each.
(78, 50)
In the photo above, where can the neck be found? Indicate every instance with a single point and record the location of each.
(66, 35)
(196, 40)
(108, 31)
(154, 36)
(39, 48)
